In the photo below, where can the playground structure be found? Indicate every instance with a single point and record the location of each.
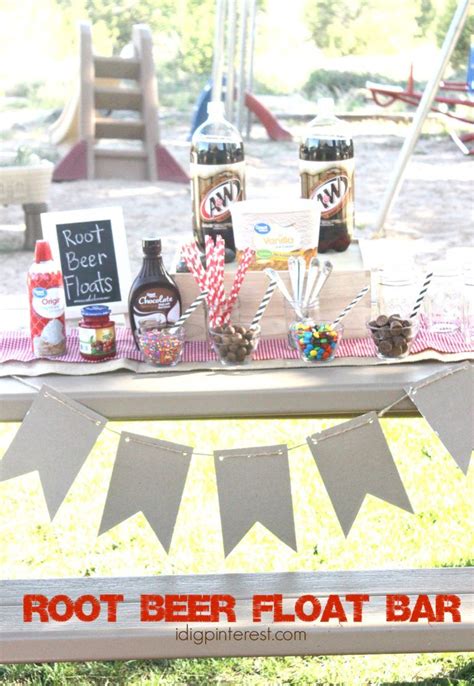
(424, 106)
(232, 72)
(449, 94)
(87, 120)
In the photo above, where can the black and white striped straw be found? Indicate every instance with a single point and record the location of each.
(421, 295)
(263, 305)
(352, 304)
(194, 305)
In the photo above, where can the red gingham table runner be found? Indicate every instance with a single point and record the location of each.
(15, 346)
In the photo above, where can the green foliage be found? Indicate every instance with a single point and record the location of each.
(424, 19)
(336, 84)
(461, 51)
(345, 27)
(292, 671)
(183, 29)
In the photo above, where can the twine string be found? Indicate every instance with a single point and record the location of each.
(314, 438)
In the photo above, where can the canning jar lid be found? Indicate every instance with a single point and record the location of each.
(95, 311)
(396, 276)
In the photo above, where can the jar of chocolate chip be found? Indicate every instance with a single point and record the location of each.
(392, 335)
(234, 343)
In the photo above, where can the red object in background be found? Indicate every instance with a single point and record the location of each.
(46, 300)
(272, 126)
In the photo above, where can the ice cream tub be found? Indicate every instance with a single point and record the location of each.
(276, 230)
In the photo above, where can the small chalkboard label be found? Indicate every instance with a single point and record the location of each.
(90, 246)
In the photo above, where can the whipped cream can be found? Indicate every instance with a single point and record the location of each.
(46, 298)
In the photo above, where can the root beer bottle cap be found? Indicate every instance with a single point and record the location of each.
(151, 246)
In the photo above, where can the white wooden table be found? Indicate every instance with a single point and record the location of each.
(129, 638)
(321, 391)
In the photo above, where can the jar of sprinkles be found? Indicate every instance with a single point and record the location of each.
(161, 347)
(96, 333)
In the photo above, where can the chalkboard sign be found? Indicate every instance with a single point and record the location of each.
(91, 247)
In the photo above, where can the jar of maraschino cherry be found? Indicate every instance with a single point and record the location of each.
(96, 333)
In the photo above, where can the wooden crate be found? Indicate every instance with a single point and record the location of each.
(347, 278)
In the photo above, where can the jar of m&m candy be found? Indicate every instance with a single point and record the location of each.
(96, 333)
(317, 342)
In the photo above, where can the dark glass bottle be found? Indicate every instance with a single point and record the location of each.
(154, 296)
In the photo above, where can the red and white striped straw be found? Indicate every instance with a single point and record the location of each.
(220, 261)
(238, 280)
(193, 262)
(211, 280)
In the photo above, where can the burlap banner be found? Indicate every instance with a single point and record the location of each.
(253, 484)
(354, 460)
(446, 402)
(149, 477)
(55, 438)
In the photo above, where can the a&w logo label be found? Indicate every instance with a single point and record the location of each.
(215, 204)
(331, 192)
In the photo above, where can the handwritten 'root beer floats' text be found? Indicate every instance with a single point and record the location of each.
(76, 287)
(223, 608)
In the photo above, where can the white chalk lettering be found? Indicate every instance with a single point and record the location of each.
(81, 238)
(72, 261)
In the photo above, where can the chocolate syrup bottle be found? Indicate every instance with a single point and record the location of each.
(327, 176)
(217, 176)
(154, 297)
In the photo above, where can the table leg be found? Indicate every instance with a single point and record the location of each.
(33, 231)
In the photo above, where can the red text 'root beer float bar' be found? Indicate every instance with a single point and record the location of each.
(266, 608)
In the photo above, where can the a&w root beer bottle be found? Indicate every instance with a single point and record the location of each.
(327, 176)
(217, 177)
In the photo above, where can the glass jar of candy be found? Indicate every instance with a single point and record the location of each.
(297, 313)
(160, 347)
(96, 333)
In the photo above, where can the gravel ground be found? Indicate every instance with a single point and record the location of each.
(435, 202)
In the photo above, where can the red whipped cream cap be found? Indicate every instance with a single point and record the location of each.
(43, 251)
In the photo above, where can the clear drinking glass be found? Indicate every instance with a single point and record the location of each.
(397, 291)
(468, 307)
(443, 302)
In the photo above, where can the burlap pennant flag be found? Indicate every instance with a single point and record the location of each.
(55, 438)
(354, 460)
(149, 477)
(445, 400)
(254, 486)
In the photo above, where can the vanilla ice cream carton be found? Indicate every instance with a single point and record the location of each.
(46, 298)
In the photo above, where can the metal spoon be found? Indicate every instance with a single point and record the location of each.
(275, 276)
(301, 262)
(313, 272)
(293, 274)
(323, 276)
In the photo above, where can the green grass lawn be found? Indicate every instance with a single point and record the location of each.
(439, 534)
